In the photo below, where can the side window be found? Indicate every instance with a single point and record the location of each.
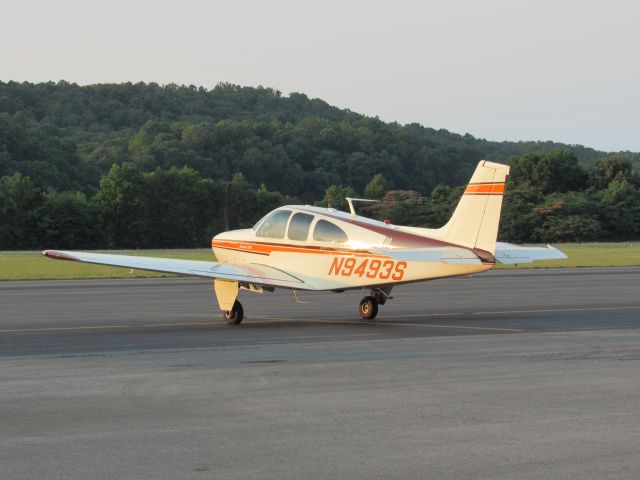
(275, 224)
(328, 232)
(299, 226)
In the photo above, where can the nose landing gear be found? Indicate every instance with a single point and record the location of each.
(369, 304)
(234, 316)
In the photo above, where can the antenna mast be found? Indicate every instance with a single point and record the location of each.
(351, 200)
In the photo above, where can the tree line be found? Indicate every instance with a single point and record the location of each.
(131, 209)
(550, 197)
(143, 165)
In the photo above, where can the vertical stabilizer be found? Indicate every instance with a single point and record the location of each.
(474, 223)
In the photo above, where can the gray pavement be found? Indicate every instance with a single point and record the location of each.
(509, 374)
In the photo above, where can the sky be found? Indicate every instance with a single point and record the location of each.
(561, 70)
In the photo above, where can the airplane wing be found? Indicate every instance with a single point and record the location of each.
(509, 253)
(252, 273)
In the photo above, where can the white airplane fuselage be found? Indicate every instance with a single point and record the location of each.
(356, 259)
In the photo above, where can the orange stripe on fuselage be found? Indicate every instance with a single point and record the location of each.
(268, 248)
(485, 189)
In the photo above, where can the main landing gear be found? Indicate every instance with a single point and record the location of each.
(369, 304)
(368, 307)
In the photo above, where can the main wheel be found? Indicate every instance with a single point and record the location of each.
(234, 316)
(368, 308)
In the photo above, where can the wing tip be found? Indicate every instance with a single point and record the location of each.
(58, 255)
(560, 253)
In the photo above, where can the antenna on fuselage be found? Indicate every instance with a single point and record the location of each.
(351, 200)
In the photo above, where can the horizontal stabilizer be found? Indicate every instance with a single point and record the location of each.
(251, 273)
(460, 256)
(511, 254)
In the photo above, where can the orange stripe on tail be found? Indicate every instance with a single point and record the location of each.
(484, 189)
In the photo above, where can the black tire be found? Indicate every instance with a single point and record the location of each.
(235, 315)
(368, 308)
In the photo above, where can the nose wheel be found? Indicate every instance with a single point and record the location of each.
(234, 316)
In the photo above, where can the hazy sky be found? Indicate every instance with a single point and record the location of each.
(563, 70)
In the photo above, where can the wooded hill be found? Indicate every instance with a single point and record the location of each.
(143, 165)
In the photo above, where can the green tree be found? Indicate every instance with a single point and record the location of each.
(620, 203)
(243, 203)
(183, 209)
(334, 197)
(406, 207)
(248, 205)
(123, 214)
(569, 228)
(608, 169)
(68, 220)
(557, 171)
(377, 187)
(571, 216)
(267, 200)
(157, 144)
(19, 202)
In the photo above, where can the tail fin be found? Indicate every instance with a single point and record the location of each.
(474, 223)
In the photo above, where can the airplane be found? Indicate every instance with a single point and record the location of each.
(302, 247)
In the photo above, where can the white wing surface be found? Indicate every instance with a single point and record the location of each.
(508, 253)
(253, 273)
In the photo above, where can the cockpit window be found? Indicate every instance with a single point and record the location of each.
(257, 224)
(328, 232)
(275, 224)
(299, 227)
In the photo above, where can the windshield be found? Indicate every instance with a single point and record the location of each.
(274, 225)
(257, 224)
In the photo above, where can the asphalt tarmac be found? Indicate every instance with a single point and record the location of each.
(508, 374)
